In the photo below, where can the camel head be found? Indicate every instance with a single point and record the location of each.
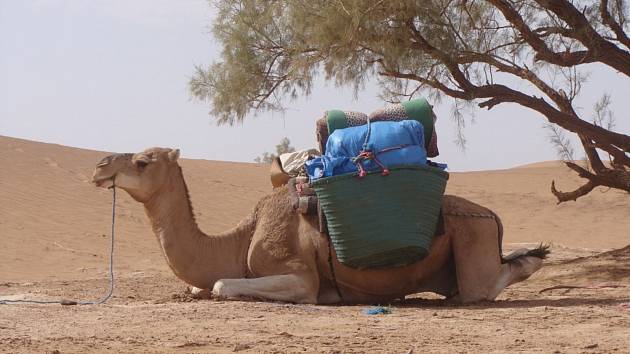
(140, 175)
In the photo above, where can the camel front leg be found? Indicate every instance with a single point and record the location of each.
(289, 288)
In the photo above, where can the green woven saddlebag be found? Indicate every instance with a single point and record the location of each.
(382, 221)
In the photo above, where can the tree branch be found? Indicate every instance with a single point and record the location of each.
(501, 94)
(432, 83)
(548, 30)
(567, 59)
(599, 50)
(540, 47)
(607, 19)
(591, 153)
(605, 51)
(574, 195)
(563, 103)
(613, 178)
(453, 68)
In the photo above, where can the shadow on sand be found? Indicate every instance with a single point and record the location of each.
(526, 303)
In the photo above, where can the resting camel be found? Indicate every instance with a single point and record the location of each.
(279, 254)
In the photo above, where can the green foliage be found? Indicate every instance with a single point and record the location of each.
(274, 49)
(282, 148)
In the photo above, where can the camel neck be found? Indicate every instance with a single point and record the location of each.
(196, 258)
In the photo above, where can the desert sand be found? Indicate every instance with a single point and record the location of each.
(54, 239)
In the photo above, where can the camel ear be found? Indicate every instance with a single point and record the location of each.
(173, 155)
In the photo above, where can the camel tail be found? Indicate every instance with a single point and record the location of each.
(539, 252)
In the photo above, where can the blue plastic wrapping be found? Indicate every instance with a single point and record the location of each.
(392, 143)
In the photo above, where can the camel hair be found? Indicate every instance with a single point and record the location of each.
(278, 254)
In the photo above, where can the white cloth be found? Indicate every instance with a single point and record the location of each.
(292, 162)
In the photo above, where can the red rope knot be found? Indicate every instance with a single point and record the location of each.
(369, 155)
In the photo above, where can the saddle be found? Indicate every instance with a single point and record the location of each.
(382, 216)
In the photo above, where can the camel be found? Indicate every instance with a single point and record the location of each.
(278, 254)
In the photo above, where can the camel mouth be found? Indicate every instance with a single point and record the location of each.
(106, 182)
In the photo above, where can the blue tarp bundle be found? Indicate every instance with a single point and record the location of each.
(392, 143)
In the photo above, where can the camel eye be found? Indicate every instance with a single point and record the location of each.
(141, 163)
(104, 162)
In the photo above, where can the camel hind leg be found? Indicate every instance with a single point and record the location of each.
(477, 257)
(481, 271)
(518, 266)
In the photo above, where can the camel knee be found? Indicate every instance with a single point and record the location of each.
(199, 293)
(221, 290)
(514, 271)
(523, 267)
(306, 292)
(228, 289)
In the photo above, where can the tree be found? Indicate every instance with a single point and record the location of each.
(484, 52)
(282, 148)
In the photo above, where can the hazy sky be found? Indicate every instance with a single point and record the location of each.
(112, 75)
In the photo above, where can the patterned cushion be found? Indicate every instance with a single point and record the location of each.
(394, 112)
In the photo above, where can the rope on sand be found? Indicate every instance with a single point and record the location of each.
(110, 292)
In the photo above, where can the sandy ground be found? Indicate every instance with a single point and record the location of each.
(54, 235)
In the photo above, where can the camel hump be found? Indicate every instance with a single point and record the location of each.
(458, 206)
